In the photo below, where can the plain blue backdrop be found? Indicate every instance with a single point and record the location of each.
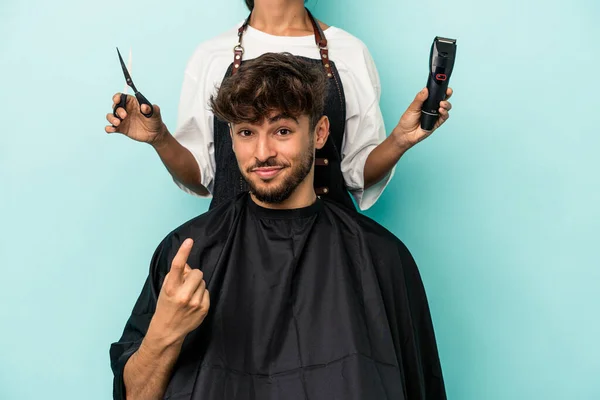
(499, 207)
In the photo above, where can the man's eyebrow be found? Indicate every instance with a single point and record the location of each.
(279, 117)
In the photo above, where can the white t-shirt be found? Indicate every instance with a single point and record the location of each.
(364, 123)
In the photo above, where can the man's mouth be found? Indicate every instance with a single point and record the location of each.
(266, 172)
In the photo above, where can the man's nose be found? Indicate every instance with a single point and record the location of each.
(264, 148)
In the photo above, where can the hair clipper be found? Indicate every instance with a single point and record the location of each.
(441, 62)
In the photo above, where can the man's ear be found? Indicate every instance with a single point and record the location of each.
(321, 132)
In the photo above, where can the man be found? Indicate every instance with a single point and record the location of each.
(279, 294)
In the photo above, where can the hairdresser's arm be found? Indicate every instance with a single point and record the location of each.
(178, 160)
(405, 135)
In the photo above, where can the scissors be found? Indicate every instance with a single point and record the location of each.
(140, 97)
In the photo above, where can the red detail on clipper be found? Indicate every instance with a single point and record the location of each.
(441, 77)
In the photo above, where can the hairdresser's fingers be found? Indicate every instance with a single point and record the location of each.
(446, 105)
(417, 103)
(444, 115)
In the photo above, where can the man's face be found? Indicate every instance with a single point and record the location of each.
(276, 155)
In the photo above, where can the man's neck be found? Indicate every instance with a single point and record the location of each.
(281, 17)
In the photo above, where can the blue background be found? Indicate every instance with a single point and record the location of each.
(499, 207)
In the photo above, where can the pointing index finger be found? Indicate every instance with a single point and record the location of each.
(180, 260)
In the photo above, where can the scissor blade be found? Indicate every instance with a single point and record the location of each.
(129, 61)
(125, 72)
(126, 89)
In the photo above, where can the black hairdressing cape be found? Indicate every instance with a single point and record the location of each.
(317, 303)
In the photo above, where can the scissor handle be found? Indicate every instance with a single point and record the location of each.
(142, 100)
(121, 104)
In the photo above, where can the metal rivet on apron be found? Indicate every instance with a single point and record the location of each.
(326, 161)
(329, 75)
(326, 65)
(324, 55)
(237, 65)
(325, 190)
(237, 57)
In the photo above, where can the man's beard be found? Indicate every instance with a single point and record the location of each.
(283, 191)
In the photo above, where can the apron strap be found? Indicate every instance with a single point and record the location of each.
(320, 40)
(238, 50)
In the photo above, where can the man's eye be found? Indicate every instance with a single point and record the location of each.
(245, 133)
(284, 132)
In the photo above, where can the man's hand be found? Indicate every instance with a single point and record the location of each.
(183, 301)
(133, 124)
(408, 132)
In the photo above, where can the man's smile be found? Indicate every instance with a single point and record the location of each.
(267, 172)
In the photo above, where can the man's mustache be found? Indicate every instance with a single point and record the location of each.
(271, 162)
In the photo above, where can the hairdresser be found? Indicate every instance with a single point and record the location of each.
(359, 157)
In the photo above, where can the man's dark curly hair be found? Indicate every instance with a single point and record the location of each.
(273, 82)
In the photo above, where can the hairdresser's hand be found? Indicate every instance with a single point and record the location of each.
(133, 124)
(183, 301)
(408, 132)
